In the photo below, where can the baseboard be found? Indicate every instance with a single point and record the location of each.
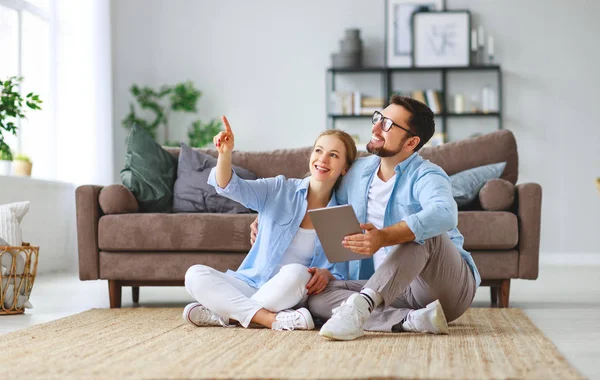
(570, 258)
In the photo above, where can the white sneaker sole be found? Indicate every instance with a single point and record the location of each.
(439, 319)
(332, 336)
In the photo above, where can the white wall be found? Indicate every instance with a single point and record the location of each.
(263, 64)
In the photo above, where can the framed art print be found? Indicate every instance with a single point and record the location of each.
(442, 39)
(398, 34)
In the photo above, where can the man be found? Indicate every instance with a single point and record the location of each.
(416, 276)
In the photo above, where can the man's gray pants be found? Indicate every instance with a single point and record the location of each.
(411, 277)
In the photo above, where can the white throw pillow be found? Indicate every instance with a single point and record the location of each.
(10, 222)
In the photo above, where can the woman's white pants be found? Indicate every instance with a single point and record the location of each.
(232, 298)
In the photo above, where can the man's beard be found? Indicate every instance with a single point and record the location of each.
(382, 152)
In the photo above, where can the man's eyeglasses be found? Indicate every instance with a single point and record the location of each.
(387, 123)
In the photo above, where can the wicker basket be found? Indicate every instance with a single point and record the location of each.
(21, 278)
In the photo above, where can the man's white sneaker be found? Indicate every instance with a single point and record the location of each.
(347, 320)
(431, 319)
(293, 320)
(198, 315)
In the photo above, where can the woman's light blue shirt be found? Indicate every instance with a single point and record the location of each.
(282, 206)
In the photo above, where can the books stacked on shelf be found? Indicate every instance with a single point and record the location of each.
(433, 98)
(354, 103)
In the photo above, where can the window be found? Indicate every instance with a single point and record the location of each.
(62, 49)
(9, 64)
(25, 31)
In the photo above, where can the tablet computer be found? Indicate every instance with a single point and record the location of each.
(331, 225)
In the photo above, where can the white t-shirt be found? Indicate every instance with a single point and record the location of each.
(379, 195)
(301, 248)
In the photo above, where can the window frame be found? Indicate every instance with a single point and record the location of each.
(21, 6)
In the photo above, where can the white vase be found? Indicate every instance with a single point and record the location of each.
(5, 167)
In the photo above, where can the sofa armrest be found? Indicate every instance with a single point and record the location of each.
(117, 199)
(88, 215)
(529, 212)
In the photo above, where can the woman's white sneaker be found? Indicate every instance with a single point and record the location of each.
(300, 319)
(198, 315)
(431, 320)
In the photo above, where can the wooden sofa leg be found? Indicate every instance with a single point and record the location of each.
(135, 294)
(114, 293)
(494, 295)
(504, 293)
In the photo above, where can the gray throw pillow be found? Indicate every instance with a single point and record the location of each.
(466, 184)
(192, 193)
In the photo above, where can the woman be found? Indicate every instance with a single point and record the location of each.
(287, 262)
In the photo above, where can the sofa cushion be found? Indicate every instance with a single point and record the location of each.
(497, 195)
(466, 184)
(175, 232)
(192, 193)
(453, 157)
(499, 146)
(292, 163)
(149, 172)
(488, 229)
(117, 199)
(162, 266)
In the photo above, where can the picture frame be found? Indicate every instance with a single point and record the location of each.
(442, 39)
(398, 29)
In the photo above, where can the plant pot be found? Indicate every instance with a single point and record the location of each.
(5, 167)
(22, 168)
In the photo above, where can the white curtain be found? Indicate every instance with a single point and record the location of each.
(83, 92)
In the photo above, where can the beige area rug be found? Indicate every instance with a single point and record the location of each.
(147, 343)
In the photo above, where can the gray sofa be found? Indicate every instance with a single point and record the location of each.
(128, 248)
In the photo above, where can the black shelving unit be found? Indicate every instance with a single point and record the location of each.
(387, 73)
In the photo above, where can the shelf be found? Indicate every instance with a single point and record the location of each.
(388, 75)
(450, 114)
(357, 69)
(474, 114)
(350, 116)
(441, 68)
(412, 69)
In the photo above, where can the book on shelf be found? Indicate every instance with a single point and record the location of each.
(433, 98)
(373, 102)
(354, 103)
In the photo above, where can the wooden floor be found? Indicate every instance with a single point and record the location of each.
(564, 303)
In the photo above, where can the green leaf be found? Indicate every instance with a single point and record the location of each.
(5, 152)
(13, 105)
(184, 97)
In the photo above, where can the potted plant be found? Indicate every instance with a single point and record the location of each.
(12, 108)
(22, 165)
(162, 103)
(5, 161)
